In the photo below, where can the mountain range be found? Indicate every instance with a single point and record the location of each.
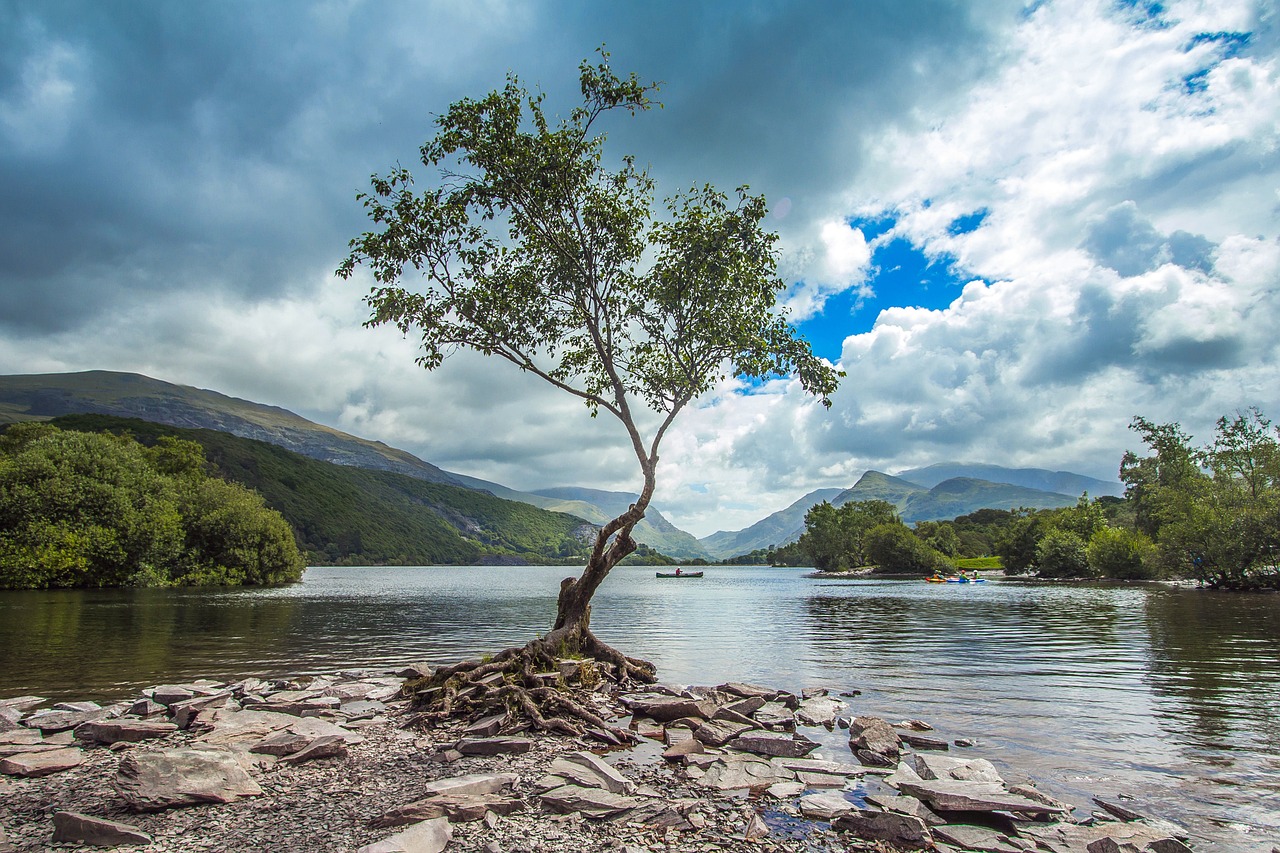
(936, 492)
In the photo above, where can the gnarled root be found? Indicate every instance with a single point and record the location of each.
(552, 684)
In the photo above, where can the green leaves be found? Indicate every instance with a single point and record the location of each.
(530, 248)
(80, 509)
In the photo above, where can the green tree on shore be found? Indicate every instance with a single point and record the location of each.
(530, 248)
(96, 510)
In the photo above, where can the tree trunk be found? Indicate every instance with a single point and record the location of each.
(613, 544)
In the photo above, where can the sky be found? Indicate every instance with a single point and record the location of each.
(1013, 225)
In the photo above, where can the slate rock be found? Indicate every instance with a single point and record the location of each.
(76, 828)
(130, 731)
(923, 741)
(473, 783)
(774, 743)
(748, 691)
(683, 749)
(824, 806)
(729, 772)
(874, 741)
(486, 727)
(774, 715)
(963, 769)
(589, 770)
(591, 802)
(169, 694)
(819, 711)
(32, 765)
(428, 836)
(23, 703)
(885, 826)
(493, 745)
(146, 708)
(326, 746)
(5, 846)
(719, 732)
(978, 838)
(463, 808)
(281, 743)
(903, 804)
(422, 669)
(62, 721)
(21, 736)
(955, 795)
(150, 781)
(666, 709)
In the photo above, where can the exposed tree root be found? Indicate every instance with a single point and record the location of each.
(546, 685)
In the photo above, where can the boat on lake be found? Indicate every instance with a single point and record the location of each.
(680, 574)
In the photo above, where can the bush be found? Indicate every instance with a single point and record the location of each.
(893, 547)
(1061, 554)
(1116, 552)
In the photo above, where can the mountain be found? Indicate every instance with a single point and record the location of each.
(357, 516)
(130, 395)
(782, 527)
(653, 530)
(945, 500)
(1060, 482)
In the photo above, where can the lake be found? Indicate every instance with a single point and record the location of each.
(1169, 695)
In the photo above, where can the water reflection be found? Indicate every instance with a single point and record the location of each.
(1170, 695)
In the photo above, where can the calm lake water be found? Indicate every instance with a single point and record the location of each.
(1169, 695)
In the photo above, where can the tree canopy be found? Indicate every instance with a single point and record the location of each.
(94, 510)
(527, 245)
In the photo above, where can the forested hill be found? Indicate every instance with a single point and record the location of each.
(131, 395)
(947, 499)
(355, 516)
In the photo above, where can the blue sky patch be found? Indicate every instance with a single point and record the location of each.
(902, 274)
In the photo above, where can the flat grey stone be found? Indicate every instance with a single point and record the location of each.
(719, 732)
(486, 727)
(903, 804)
(61, 721)
(729, 772)
(21, 736)
(493, 745)
(885, 826)
(874, 741)
(150, 781)
(428, 836)
(168, 694)
(773, 715)
(130, 731)
(748, 691)
(76, 828)
(774, 743)
(474, 783)
(326, 746)
(665, 709)
(461, 808)
(824, 806)
(591, 802)
(978, 838)
(918, 741)
(955, 795)
(31, 765)
(819, 711)
(281, 743)
(962, 769)
(587, 769)
(23, 703)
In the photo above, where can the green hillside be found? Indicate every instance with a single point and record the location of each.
(354, 516)
(131, 395)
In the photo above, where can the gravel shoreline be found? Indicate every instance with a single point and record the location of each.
(726, 783)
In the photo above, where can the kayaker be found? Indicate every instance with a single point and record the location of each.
(677, 571)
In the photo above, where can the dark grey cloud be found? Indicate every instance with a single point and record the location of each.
(216, 148)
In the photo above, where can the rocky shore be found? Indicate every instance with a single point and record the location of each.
(341, 763)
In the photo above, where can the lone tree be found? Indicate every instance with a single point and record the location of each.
(529, 248)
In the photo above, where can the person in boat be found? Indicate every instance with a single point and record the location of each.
(677, 571)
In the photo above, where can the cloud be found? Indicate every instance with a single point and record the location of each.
(180, 185)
